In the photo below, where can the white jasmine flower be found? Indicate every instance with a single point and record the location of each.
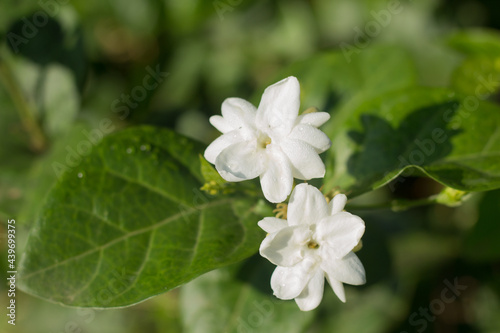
(315, 242)
(271, 142)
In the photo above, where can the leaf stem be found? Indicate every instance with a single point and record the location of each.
(448, 196)
(37, 139)
(398, 205)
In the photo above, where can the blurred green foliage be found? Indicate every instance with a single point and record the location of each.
(67, 66)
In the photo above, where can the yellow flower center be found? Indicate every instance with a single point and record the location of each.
(263, 141)
(312, 245)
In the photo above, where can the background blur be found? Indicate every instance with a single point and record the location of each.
(67, 65)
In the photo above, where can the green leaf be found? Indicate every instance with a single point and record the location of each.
(478, 76)
(420, 130)
(239, 299)
(61, 100)
(129, 222)
(48, 168)
(476, 42)
(209, 173)
(330, 76)
(481, 244)
(375, 70)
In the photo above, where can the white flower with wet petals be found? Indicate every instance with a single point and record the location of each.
(271, 142)
(315, 242)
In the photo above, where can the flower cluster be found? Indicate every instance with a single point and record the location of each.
(276, 144)
(316, 241)
(271, 142)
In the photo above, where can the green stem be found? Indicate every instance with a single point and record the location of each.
(448, 196)
(37, 139)
(397, 204)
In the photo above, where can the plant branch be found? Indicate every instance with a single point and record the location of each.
(37, 139)
(448, 197)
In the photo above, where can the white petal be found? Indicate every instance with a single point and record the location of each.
(221, 124)
(240, 161)
(337, 204)
(315, 119)
(272, 224)
(312, 136)
(307, 205)
(277, 179)
(288, 282)
(285, 247)
(348, 269)
(339, 234)
(221, 143)
(312, 294)
(279, 106)
(338, 288)
(238, 113)
(306, 163)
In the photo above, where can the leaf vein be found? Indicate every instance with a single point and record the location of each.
(130, 234)
(106, 221)
(141, 268)
(93, 277)
(145, 185)
(199, 232)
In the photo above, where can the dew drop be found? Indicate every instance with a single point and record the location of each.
(145, 147)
